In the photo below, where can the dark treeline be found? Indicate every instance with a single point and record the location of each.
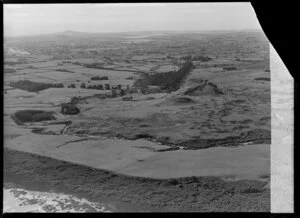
(34, 86)
(167, 81)
(99, 78)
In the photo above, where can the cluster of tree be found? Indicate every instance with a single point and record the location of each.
(114, 92)
(99, 78)
(75, 100)
(34, 86)
(83, 86)
(70, 108)
(169, 81)
(73, 86)
(58, 85)
(99, 87)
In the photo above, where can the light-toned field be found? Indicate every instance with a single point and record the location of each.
(142, 158)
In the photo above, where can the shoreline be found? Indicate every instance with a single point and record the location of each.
(135, 194)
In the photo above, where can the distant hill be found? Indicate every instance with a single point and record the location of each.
(69, 33)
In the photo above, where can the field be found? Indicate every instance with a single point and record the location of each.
(154, 122)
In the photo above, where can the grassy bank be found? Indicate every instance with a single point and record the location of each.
(133, 193)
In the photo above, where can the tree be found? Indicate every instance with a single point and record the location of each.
(122, 92)
(82, 86)
(100, 87)
(113, 92)
(107, 86)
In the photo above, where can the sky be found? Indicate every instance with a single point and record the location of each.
(35, 19)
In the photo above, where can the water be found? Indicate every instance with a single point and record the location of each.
(21, 200)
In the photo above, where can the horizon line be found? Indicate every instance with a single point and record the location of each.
(133, 31)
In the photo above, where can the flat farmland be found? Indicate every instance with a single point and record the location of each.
(175, 118)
